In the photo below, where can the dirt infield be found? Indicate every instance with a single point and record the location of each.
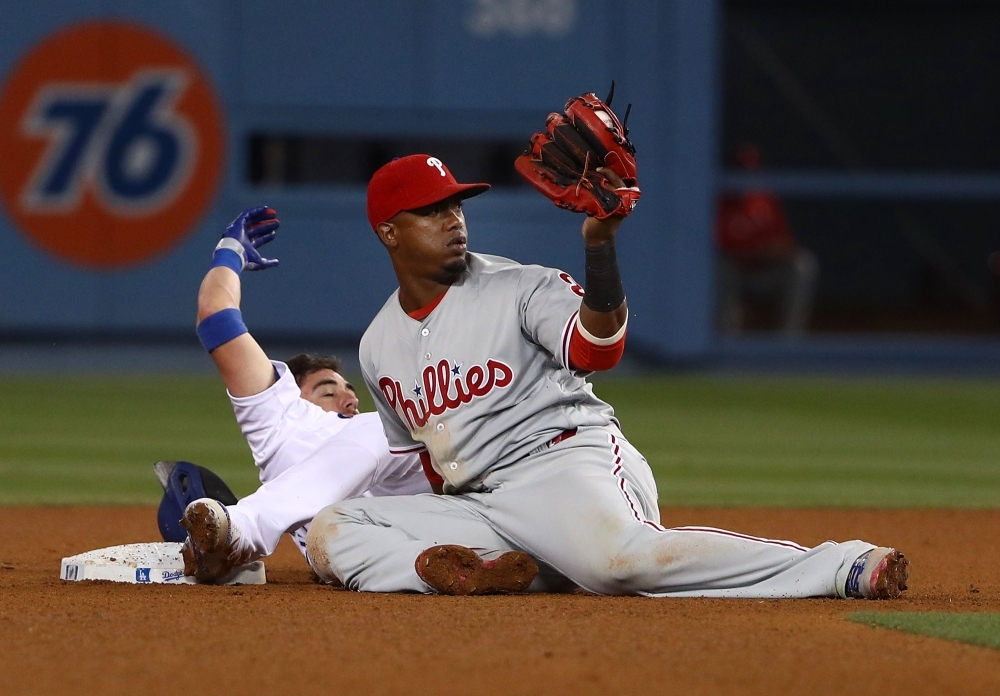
(292, 636)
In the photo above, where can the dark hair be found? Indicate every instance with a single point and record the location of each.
(304, 364)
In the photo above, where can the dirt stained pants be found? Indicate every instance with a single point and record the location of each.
(586, 510)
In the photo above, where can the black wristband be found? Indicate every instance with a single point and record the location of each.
(603, 291)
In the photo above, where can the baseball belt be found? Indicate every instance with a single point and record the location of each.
(564, 435)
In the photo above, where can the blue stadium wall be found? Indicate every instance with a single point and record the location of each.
(417, 68)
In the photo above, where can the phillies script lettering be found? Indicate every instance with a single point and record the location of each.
(444, 388)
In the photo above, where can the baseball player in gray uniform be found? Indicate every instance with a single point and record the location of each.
(479, 363)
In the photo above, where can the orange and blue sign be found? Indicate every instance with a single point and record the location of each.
(113, 144)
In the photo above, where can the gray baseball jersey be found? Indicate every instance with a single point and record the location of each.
(479, 400)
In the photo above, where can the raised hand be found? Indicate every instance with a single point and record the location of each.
(251, 229)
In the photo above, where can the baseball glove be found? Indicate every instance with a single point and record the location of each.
(562, 160)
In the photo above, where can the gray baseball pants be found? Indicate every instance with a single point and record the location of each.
(586, 510)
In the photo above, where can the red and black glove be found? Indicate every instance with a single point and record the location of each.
(562, 160)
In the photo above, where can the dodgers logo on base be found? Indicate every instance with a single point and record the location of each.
(112, 143)
(172, 575)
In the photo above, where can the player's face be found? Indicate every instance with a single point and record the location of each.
(330, 391)
(433, 240)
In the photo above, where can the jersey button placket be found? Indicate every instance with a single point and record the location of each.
(425, 332)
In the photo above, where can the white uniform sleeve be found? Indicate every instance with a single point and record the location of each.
(391, 474)
(280, 426)
(402, 475)
(549, 302)
(336, 471)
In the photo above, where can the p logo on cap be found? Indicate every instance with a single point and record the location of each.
(435, 162)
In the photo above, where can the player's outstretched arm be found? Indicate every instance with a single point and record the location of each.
(603, 311)
(559, 162)
(244, 366)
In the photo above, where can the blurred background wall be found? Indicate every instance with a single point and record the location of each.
(819, 177)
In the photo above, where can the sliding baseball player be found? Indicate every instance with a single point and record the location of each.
(308, 440)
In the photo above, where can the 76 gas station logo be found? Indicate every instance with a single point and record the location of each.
(124, 141)
(112, 141)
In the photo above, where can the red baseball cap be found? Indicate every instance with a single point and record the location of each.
(412, 182)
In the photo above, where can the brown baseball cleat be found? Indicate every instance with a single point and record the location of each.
(878, 574)
(211, 551)
(457, 570)
(191, 561)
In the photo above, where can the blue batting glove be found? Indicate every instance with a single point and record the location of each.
(252, 228)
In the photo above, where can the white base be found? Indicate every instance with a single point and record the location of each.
(158, 562)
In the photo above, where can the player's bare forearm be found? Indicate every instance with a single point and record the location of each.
(220, 289)
(596, 232)
(242, 363)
